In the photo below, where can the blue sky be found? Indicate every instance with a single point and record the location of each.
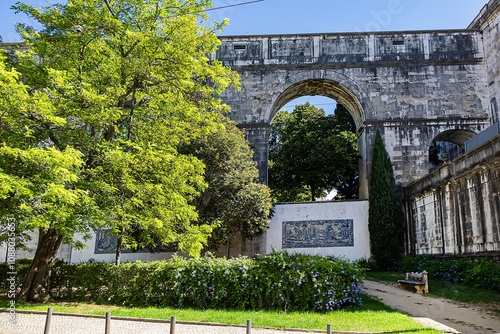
(312, 16)
(321, 16)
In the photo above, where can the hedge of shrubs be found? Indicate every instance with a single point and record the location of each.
(276, 281)
(480, 273)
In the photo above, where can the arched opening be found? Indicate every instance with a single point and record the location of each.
(331, 102)
(326, 88)
(448, 145)
(326, 103)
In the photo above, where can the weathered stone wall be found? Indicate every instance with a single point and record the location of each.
(412, 86)
(243, 246)
(488, 22)
(456, 208)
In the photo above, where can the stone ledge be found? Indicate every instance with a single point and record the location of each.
(485, 154)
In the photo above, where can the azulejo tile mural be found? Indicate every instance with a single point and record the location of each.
(105, 243)
(318, 233)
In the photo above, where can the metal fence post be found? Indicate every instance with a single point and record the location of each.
(172, 325)
(48, 320)
(108, 323)
(328, 328)
(249, 326)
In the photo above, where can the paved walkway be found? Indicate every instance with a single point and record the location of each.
(63, 324)
(35, 324)
(454, 317)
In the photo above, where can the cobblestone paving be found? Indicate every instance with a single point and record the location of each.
(35, 324)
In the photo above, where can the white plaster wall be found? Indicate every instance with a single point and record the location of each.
(71, 255)
(64, 252)
(355, 210)
(83, 255)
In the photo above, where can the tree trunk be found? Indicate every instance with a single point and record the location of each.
(41, 233)
(313, 191)
(35, 287)
(118, 254)
(119, 244)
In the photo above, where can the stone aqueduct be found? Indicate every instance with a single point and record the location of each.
(416, 87)
(411, 86)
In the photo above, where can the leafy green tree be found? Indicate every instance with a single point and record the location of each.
(348, 187)
(234, 201)
(113, 88)
(310, 153)
(386, 217)
(37, 184)
(344, 118)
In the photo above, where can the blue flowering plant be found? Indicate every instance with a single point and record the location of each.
(279, 280)
(479, 273)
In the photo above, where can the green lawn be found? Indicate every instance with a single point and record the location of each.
(373, 316)
(446, 289)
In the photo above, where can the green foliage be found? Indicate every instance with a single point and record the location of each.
(233, 196)
(310, 153)
(386, 217)
(95, 117)
(22, 267)
(367, 265)
(480, 273)
(277, 281)
(38, 183)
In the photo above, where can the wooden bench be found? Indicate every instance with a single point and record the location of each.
(418, 280)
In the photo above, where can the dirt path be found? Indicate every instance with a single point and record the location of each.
(456, 317)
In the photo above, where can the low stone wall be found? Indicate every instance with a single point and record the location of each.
(321, 228)
(456, 208)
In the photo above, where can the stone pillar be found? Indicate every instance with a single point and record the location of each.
(363, 167)
(258, 138)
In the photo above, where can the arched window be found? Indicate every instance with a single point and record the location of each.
(448, 145)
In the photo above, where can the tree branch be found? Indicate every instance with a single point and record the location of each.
(109, 8)
(126, 54)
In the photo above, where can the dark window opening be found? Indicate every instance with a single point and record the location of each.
(444, 151)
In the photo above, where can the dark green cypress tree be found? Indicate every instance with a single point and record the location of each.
(386, 218)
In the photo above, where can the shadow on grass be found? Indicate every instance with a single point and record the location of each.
(370, 304)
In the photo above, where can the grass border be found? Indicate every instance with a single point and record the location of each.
(373, 317)
(183, 322)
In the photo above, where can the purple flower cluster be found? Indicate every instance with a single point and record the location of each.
(279, 281)
(276, 281)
